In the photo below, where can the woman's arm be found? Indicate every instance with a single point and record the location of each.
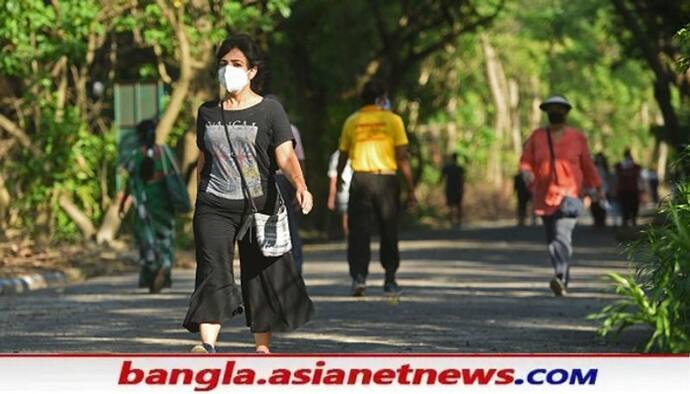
(288, 163)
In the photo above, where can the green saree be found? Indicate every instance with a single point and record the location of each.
(154, 218)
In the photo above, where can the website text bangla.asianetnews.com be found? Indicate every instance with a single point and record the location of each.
(232, 373)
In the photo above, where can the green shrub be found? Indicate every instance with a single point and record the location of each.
(658, 294)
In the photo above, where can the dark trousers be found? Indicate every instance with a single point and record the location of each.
(522, 201)
(598, 213)
(288, 192)
(559, 238)
(272, 294)
(373, 198)
(630, 205)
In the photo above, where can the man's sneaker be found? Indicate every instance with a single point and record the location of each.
(204, 348)
(359, 285)
(558, 286)
(391, 288)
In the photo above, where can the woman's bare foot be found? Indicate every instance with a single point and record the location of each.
(263, 349)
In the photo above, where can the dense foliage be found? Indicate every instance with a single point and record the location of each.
(658, 294)
(58, 143)
(466, 75)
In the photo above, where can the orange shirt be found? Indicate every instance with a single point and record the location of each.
(574, 167)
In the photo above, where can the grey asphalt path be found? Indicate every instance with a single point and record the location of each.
(482, 289)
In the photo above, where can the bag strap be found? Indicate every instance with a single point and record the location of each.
(245, 188)
(553, 155)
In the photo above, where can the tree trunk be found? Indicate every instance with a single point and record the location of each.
(111, 222)
(78, 217)
(61, 95)
(4, 202)
(181, 89)
(535, 111)
(498, 87)
(662, 93)
(514, 93)
(664, 78)
(18, 133)
(662, 161)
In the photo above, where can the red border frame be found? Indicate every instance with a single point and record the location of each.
(347, 355)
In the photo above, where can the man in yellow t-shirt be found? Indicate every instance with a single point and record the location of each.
(374, 139)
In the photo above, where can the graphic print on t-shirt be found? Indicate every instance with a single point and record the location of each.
(224, 179)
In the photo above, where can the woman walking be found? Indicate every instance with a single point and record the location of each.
(243, 139)
(154, 216)
(558, 167)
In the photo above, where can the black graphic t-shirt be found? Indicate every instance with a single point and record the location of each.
(255, 132)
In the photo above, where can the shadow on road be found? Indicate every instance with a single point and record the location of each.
(470, 290)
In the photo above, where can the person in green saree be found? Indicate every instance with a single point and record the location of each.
(154, 214)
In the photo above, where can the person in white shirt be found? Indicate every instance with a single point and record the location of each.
(337, 200)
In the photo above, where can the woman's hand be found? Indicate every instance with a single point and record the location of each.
(304, 200)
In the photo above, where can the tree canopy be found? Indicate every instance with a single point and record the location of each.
(466, 75)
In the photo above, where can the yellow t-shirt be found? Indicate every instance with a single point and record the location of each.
(370, 135)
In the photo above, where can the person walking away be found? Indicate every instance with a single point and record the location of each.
(243, 139)
(454, 175)
(287, 189)
(628, 173)
(154, 214)
(557, 166)
(654, 185)
(599, 207)
(523, 197)
(337, 200)
(374, 140)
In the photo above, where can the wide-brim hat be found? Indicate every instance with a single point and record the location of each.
(555, 100)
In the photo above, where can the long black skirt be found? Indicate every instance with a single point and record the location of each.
(272, 294)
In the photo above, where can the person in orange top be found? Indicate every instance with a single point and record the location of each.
(557, 166)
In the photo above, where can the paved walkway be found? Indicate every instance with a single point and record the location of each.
(471, 290)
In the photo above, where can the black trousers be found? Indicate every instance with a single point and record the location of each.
(272, 293)
(598, 213)
(522, 201)
(375, 199)
(630, 205)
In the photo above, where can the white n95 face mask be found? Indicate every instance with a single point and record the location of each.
(232, 78)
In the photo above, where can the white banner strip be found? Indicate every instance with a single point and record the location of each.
(344, 373)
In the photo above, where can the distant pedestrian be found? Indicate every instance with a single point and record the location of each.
(557, 165)
(286, 188)
(243, 138)
(374, 140)
(338, 199)
(654, 185)
(599, 207)
(523, 197)
(628, 173)
(154, 214)
(454, 175)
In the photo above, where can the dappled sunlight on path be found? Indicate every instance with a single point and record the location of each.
(472, 290)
